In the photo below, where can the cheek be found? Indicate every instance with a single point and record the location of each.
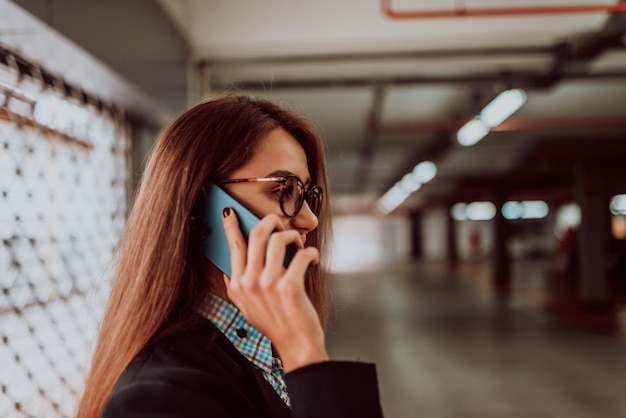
(264, 206)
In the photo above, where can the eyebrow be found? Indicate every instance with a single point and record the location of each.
(285, 173)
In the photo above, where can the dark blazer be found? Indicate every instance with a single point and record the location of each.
(199, 373)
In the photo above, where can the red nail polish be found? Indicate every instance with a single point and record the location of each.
(226, 212)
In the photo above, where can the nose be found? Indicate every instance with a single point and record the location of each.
(305, 220)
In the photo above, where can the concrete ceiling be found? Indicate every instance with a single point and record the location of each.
(387, 92)
(135, 38)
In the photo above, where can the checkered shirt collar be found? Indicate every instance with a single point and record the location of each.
(246, 338)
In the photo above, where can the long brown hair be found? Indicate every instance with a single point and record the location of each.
(159, 274)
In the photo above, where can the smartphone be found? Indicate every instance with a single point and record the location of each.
(215, 244)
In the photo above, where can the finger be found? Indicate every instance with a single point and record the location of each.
(257, 241)
(227, 286)
(276, 250)
(231, 289)
(233, 292)
(301, 261)
(236, 243)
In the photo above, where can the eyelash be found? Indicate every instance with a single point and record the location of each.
(275, 192)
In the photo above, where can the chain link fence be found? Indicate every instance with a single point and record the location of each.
(63, 202)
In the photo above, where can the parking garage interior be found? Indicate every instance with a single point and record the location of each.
(476, 152)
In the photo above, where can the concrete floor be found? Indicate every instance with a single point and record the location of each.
(446, 346)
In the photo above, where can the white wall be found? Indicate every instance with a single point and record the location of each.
(361, 242)
(526, 237)
(471, 248)
(434, 232)
(364, 241)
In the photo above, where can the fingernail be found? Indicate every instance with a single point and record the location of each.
(226, 212)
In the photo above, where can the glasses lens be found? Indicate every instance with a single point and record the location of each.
(292, 195)
(314, 199)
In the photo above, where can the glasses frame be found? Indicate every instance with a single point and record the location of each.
(282, 180)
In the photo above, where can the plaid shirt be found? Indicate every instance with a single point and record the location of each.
(247, 339)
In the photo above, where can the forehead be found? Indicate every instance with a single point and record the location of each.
(278, 151)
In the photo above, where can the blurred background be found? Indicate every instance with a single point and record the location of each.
(477, 159)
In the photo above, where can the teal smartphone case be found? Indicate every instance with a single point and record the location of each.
(215, 244)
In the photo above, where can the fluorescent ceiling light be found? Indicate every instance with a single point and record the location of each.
(503, 106)
(475, 211)
(392, 199)
(535, 209)
(409, 183)
(458, 211)
(618, 204)
(492, 115)
(425, 171)
(530, 209)
(480, 211)
(397, 194)
(472, 132)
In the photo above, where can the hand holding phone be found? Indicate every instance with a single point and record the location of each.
(272, 298)
(215, 243)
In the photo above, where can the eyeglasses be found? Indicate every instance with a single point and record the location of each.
(292, 194)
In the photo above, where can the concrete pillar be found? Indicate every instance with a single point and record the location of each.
(452, 254)
(593, 235)
(417, 250)
(500, 259)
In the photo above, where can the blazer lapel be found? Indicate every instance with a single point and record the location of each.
(272, 403)
(276, 405)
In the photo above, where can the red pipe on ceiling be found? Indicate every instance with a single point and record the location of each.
(505, 11)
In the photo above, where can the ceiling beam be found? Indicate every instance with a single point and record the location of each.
(368, 145)
(378, 56)
(520, 78)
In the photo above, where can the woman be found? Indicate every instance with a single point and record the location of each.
(181, 339)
